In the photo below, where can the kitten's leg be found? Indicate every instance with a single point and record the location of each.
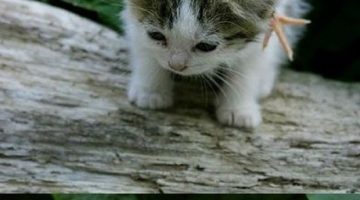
(150, 85)
(238, 105)
(267, 83)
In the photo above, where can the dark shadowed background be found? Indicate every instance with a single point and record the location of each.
(330, 47)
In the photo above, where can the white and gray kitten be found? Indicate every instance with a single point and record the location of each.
(198, 37)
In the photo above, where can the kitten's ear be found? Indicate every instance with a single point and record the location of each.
(156, 11)
(138, 7)
(141, 3)
(262, 9)
(268, 9)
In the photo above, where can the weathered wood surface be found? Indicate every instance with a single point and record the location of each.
(66, 125)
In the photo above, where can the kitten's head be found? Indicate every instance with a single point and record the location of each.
(189, 36)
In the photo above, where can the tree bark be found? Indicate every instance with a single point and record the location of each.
(66, 124)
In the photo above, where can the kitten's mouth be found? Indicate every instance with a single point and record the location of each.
(178, 69)
(181, 73)
(187, 71)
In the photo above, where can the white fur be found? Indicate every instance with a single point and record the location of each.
(253, 71)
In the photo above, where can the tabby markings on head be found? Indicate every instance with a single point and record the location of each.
(233, 19)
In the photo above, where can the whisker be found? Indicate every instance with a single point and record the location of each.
(231, 86)
(210, 85)
(240, 76)
(204, 88)
(233, 71)
(218, 86)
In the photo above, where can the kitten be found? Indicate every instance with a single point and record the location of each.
(199, 37)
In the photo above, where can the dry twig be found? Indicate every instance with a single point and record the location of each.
(276, 25)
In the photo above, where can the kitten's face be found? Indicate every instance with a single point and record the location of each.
(190, 37)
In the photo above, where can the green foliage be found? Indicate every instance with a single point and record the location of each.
(333, 197)
(108, 10)
(102, 11)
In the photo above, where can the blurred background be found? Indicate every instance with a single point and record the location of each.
(330, 47)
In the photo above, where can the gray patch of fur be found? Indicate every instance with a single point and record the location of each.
(229, 18)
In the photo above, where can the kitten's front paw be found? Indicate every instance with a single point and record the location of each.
(150, 99)
(246, 116)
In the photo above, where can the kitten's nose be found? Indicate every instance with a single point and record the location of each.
(179, 61)
(178, 67)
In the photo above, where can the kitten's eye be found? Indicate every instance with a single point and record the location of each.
(205, 47)
(157, 36)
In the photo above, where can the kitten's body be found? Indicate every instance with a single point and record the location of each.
(189, 30)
